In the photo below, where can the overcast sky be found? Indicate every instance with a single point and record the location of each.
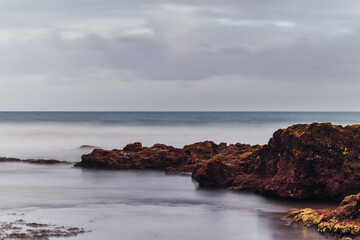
(177, 55)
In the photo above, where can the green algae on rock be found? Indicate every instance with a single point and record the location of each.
(342, 221)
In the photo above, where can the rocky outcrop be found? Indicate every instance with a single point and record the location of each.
(343, 221)
(304, 161)
(162, 157)
(307, 161)
(134, 156)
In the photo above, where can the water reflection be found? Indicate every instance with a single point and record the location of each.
(141, 205)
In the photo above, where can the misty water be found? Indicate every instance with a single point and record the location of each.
(141, 204)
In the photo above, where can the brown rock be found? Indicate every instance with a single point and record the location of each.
(202, 150)
(215, 173)
(308, 161)
(104, 159)
(164, 157)
(304, 161)
(343, 221)
(134, 156)
(133, 147)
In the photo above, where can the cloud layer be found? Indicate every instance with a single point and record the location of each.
(158, 55)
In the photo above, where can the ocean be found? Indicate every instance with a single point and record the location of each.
(59, 135)
(142, 204)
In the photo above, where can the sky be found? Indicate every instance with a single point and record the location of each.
(153, 55)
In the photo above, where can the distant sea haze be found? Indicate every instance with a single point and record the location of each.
(59, 135)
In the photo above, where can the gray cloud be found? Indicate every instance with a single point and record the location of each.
(179, 44)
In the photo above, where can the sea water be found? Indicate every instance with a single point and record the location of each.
(142, 204)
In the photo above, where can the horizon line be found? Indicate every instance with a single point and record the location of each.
(177, 111)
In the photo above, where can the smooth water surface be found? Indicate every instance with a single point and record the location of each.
(136, 205)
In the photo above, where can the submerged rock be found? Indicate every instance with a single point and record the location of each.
(344, 220)
(20, 229)
(88, 146)
(34, 161)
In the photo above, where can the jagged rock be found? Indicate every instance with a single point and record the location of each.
(164, 157)
(222, 169)
(134, 156)
(204, 150)
(104, 159)
(214, 173)
(132, 147)
(304, 161)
